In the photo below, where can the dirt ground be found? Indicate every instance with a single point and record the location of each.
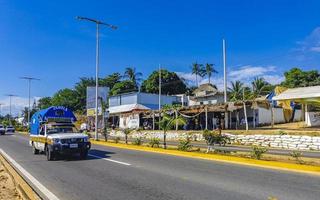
(7, 187)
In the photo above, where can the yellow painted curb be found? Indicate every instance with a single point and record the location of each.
(24, 189)
(315, 170)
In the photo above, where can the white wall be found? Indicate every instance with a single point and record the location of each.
(313, 118)
(131, 121)
(264, 116)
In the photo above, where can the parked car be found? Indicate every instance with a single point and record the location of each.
(10, 129)
(2, 130)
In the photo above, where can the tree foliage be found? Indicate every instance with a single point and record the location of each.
(298, 78)
(198, 70)
(123, 87)
(209, 70)
(132, 75)
(170, 83)
(65, 97)
(44, 102)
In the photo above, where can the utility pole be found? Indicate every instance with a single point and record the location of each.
(29, 79)
(10, 99)
(224, 71)
(226, 115)
(159, 94)
(98, 23)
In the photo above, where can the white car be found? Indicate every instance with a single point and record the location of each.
(10, 129)
(2, 130)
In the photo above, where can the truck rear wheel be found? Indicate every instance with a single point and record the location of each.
(49, 154)
(34, 150)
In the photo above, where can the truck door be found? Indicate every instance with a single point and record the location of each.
(41, 139)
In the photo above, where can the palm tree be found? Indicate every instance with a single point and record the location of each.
(210, 70)
(198, 70)
(167, 122)
(131, 74)
(260, 87)
(235, 92)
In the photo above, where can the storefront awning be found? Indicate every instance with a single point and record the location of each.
(127, 108)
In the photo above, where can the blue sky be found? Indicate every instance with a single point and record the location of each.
(43, 39)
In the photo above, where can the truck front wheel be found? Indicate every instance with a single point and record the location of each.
(83, 154)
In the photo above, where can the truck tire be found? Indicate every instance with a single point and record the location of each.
(34, 150)
(83, 154)
(49, 154)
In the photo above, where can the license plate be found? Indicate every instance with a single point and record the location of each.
(73, 145)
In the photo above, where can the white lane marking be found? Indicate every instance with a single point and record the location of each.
(13, 135)
(115, 161)
(33, 180)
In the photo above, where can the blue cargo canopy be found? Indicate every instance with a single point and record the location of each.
(51, 114)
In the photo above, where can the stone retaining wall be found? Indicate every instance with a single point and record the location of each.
(293, 142)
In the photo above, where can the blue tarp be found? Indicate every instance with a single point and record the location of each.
(58, 113)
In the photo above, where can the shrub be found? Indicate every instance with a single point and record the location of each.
(185, 144)
(154, 142)
(117, 139)
(281, 132)
(212, 137)
(297, 156)
(257, 152)
(138, 141)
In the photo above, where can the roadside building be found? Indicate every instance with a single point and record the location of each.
(126, 109)
(206, 94)
(308, 97)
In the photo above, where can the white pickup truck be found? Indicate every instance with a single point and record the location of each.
(52, 132)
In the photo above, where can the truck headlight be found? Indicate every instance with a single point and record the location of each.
(56, 140)
(86, 139)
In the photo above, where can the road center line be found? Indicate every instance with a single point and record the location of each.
(107, 159)
(32, 179)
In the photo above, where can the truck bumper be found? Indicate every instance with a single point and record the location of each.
(69, 149)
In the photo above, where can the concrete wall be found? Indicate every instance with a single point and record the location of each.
(264, 116)
(312, 118)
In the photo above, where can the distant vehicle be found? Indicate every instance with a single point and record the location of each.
(10, 129)
(53, 132)
(2, 130)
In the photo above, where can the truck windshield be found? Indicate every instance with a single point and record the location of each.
(59, 129)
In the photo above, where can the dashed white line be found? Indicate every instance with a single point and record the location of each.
(33, 180)
(107, 159)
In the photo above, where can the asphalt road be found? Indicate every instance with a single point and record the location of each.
(113, 173)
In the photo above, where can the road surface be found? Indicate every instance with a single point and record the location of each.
(119, 174)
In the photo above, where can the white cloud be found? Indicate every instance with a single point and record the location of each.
(245, 74)
(311, 43)
(17, 105)
(249, 72)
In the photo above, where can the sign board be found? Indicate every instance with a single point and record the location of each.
(91, 99)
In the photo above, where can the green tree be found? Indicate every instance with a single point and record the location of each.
(298, 78)
(198, 70)
(131, 74)
(167, 122)
(260, 87)
(171, 83)
(235, 91)
(210, 70)
(123, 87)
(66, 97)
(44, 102)
(25, 113)
(110, 80)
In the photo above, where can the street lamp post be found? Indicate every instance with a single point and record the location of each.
(10, 99)
(29, 79)
(98, 23)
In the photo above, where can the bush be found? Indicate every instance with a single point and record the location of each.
(138, 141)
(212, 137)
(154, 142)
(117, 139)
(281, 132)
(257, 152)
(297, 156)
(185, 144)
